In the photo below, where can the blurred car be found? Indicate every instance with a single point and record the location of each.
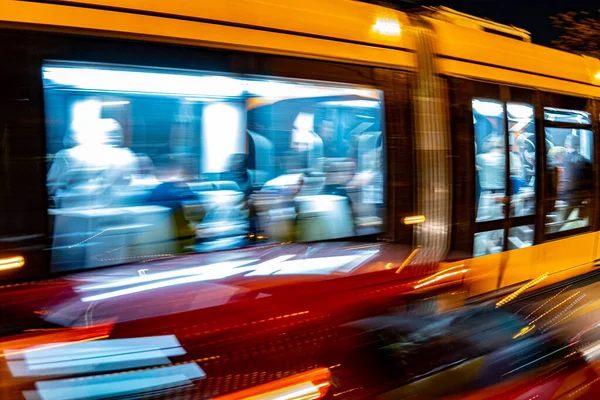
(296, 321)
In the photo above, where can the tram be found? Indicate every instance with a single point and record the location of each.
(134, 131)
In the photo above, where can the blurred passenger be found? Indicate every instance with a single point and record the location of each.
(173, 190)
(577, 166)
(578, 176)
(237, 171)
(556, 159)
(492, 165)
(146, 166)
(339, 176)
(175, 194)
(334, 146)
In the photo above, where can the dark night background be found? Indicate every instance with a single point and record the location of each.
(532, 15)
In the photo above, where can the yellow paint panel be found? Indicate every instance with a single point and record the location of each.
(560, 259)
(478, 46)
(482, 72)
(520, 266)
(349, 20)
(112, 23)
(597, 246)
(484, 272)
(566, 258)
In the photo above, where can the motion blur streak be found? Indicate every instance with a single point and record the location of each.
(9, 353)
(130, 383)
(441, 273)
(524, 331)
(308, 385)
(408, 260)
(277, 266)
(440, 277)
(152, 286)
(523, 288)
(144, 278)
(62, 335)
(11, 262)
(555, 307)
(102, 356)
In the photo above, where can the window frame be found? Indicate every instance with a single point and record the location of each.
(552, 100)
(31, 50)
(463, 92)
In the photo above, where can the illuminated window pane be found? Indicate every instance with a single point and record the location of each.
(569, 116)
(520, 237)
(490, 159)
(569, 186)
(521, 127)
(145, 162)
(487, 243)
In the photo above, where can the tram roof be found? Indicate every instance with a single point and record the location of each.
(337, 30)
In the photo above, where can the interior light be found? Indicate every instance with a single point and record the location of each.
(520, 111)
(597, 76)
(354, 103)
(202, 99)
(387, 26)
(114, 103)
(313, 384)
(488, 108)
(275, 90)
(223, 134)
(11, 262)
(143, 82)
(414, 219)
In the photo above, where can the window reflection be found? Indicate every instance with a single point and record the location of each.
(145, 163)
(490, 242)
(490, 159)
(570, 175)
(520, 237)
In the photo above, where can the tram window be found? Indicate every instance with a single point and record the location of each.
(569, 166)
(521, 127)
(568, 116)
(490, 242)
(520, 237)
(145, 162)
(490, 159)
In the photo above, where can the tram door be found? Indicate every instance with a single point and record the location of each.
(505, 189)
(568, 239)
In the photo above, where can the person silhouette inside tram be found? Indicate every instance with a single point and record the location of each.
(491, 168)
(88, 173)
(578, 177)
(174, 193)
